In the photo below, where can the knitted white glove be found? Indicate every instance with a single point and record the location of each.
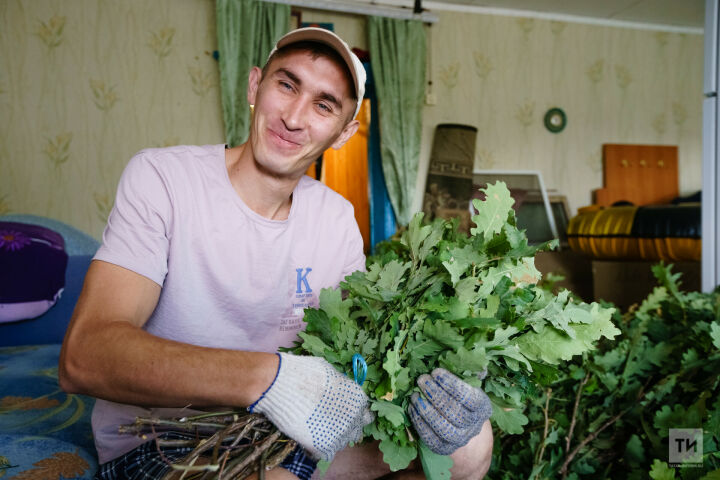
(451, 413)
(315, 405)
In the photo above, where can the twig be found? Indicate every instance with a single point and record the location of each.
(218, 437)
(284, 452)
(159, 450)
(568, 438)
(588, 439)
(257, 451)
(142, 425)
(547, 422)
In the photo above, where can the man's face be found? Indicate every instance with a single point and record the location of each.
(302, 107)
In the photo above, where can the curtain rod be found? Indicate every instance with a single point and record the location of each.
(362, 9)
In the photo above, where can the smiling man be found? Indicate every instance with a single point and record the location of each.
(209, 257)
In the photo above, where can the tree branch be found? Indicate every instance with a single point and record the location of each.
(568, 438)
(547, 422)
(588, 439)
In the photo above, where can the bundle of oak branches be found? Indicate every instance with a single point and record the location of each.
(433, 297)
(225, 445)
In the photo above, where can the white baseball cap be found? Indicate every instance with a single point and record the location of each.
(326, 37)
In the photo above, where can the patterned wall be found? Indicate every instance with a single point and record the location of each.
(84, 84)
(616, 85)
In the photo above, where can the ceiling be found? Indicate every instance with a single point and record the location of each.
(675, 13)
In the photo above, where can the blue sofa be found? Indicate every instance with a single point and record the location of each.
(45, 432)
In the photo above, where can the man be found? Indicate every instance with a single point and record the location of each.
(210, 256)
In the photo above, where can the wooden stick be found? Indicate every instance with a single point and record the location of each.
(568, 438)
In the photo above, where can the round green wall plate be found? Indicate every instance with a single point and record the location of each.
(555, 120)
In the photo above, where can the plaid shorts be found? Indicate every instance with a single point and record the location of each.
(146, 462)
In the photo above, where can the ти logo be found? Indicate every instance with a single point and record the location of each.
(302, 280)
(685, 446)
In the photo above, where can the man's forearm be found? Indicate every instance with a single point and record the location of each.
(123, 363)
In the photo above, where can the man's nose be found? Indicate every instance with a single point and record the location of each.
(296, 113)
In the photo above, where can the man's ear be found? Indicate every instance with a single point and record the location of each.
(345, 135)
(253, 83)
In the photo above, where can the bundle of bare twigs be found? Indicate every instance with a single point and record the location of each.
(226, 445)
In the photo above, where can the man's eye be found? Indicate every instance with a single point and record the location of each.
(286, 85)
(325, 108)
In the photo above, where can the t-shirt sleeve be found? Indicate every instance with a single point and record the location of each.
(355, 258)
(137, 233)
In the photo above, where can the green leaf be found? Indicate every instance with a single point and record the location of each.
(508, 419)
(397, 456)
(322, 467)
(389, 280)
(512, 356)
(435, 467)
(331, 302)
(715, 334)
(551, 345)
(518, 242)
(461, 260)
(392, 366)
(493, 211)
(456, 269)
(492, 302)
(466, 290)
(661, 471)
(666, 278)
(502, 388)
(421, 279)
(677, 417)
(654, 300)
(634, 451)
(319, 323)
(501, 338)
(436, 234)
(465, 362)
(422, 346)
(442, 332)
(544, 374)
(393, 413)
(713, 421)
(416, 234)
(457, 309)
(313, 344)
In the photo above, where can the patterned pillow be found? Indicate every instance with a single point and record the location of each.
(32, 276)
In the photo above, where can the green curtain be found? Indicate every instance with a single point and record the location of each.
(247, 30)
(397, 57)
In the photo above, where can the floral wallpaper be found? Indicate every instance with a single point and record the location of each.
(86, 84)
(615, 85)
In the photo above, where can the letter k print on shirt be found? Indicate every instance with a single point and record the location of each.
(302, 280)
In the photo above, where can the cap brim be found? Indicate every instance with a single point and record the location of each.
(320, 35)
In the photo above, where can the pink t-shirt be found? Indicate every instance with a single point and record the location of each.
(231, 278)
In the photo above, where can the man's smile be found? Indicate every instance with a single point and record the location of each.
(283, 138)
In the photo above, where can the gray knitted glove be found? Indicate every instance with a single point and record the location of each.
(315, 405)
(450, 412)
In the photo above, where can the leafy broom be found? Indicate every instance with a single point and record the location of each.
(436, 297)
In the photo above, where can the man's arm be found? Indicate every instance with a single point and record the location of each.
(107, 354)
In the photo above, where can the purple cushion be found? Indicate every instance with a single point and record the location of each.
(32, 270)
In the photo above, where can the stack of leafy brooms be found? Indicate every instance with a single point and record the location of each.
(435, 297)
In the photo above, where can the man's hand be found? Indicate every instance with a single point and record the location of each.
(315, 405)
(451, 413)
